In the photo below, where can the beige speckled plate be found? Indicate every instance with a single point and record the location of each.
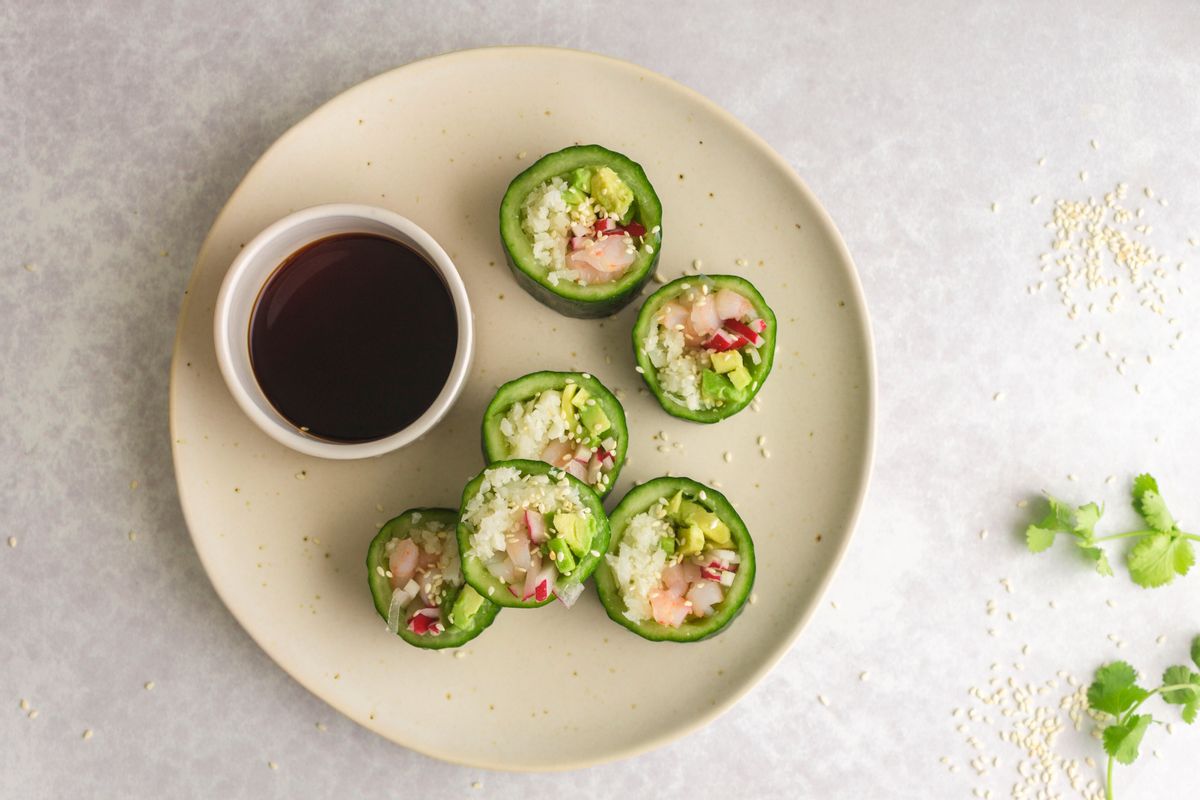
(284, 536)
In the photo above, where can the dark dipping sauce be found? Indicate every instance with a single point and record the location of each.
(353, 337)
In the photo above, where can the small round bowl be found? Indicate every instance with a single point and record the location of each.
(254, 266)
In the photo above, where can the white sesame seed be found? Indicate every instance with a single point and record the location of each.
(12, 541)
(728, 457)
(998, 396)
(995, 207)
(864, 676)
(1095, 144)
(148, 686)
(272, 765)
(87, 734)
(823, 700)
(983, 534)
(696, 265)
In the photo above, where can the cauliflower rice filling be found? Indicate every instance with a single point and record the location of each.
(530, 531)
(699, 346)
(422, 569)
(575, 228)
(668, 566)
(564, 431)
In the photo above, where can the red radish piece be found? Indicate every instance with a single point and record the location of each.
(710, 574)
(745, 331)
(538, 582)
(577, 470)
(421, 621)
(518, 551)
(603, 224)
(635, 229)
(759, 325)
(722, 341)
(531, 576)
(535, 523)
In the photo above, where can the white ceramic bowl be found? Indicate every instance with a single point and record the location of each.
(254, 266)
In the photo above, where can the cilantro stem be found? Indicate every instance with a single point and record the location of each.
(1132, 534)
(1108, 784)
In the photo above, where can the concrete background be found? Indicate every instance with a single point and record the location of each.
(123, 128)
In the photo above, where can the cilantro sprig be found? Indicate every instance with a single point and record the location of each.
(1116, 693)
(1161, 551)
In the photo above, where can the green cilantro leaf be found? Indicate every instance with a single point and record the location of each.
(1188, 695)
(1060, 515)
(1100, 557)
(1115, 689)
(1085, 520)
(1196, 651)
(1149, 503)
(1156, 559)
(1121, 741)
(1038, 539)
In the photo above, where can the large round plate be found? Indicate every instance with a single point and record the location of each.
(283, 536)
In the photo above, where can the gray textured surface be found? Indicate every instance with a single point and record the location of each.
(124, 127)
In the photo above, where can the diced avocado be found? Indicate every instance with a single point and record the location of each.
(727, 361)
(568, 407)
(715, 387)
(575, 530)
(595, 421)
(691, 540)
(740, 378)
(667, 544)
(612, 193)
(580, 398)
(673, 503)
(560, 554)
(573, 196)
(715, 531)
(580, 179)
(468, 602)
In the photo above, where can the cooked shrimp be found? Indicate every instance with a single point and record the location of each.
(703, 596)
(602, 261)
(704, 318)
(731, 305)
(669, 609)
(558, 453)
(403, 562)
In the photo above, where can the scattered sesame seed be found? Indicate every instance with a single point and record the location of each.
(998, 396)
(33, 714)
(659, 277)
(12, 541)
(476, 785)
(995, 207)
(87, 734)
(753, 598)
(24, 704)
(148, 686)
(1095, 144)
(272, 765)
(696, 265)
(823, 700)
(741, 262)
(983, 534)
(133, 484)
(321, 727)
(639, 370)
(1160, 639)
(1041, 161)
(728, 457)
(1072, 477)
(864, 676)
(1083, 176)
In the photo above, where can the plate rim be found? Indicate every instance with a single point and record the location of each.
(774, 654)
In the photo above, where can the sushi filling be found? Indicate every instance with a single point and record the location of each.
(530, 532)
(425, 574)
(581, 227)
(567, 429)
(700, 345)
(674, 563)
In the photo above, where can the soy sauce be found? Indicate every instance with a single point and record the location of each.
(352, 338)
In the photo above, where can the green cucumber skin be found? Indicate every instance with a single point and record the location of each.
(477, 575)
(571, 299)
(758, 372)
(525, 387)
(638, 500)
(381, 589)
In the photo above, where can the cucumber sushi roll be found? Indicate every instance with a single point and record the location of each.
(705, 345)
(416, 578)
(570, 420)
(582, 229)
(680, 563)
(528, 533)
